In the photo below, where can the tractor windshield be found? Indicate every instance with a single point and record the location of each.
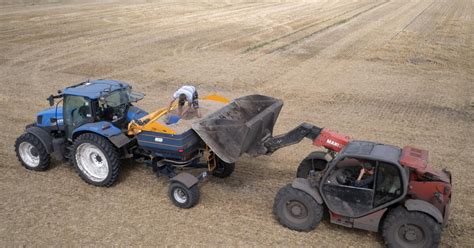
(122, 97)
(118, 98)
(113, 107)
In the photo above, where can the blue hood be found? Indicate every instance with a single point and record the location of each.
(43, 118)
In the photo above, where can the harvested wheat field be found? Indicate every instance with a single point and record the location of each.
(394, 71)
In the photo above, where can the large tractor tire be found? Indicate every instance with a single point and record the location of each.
(310, 163)
(182, 196)
(223, 169)
(31, 152)
(96, 160)
(297, 210)
(403, 228)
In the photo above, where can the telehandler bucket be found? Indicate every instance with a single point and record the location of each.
(240, 127)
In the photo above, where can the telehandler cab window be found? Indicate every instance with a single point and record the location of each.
(389, 184)
(340, 190)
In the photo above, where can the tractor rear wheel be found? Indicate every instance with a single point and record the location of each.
(223, 169)
(96, 160)
(182, 196)
(31, 152)
(403, 228)
(296, 209)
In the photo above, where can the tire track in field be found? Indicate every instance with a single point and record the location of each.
(135, 34)
(154, 40)
(428, 40)
(306, 28)
(288, 25)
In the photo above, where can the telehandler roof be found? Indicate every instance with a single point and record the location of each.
(372, 150)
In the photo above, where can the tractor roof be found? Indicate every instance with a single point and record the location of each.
(371, 150)
(94, 89)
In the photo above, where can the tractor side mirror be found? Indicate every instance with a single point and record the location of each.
(51, 100)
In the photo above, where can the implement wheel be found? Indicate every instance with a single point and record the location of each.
(223, 169)
(182, 196)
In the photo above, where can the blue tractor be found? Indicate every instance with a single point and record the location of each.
(88, 129)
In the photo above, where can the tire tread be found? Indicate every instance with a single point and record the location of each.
(45, 158)
(193, 194)
(289, 190)
(109, 150)
(400, 213)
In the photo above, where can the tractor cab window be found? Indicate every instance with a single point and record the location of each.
(77, 111)
(388, 185)
(344, 193)
(113, 107)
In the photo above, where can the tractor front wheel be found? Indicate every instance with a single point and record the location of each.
(403, 228)
(31, 152)
(182, 196)
(96, 160)
(297, 210)
(223, 169)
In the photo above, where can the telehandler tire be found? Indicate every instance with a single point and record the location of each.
(96, 160)
(32, 153)
(403, 228)
(296, 209)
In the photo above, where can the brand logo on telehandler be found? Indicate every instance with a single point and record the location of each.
(332, 142)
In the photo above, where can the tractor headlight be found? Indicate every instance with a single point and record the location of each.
(39, 119)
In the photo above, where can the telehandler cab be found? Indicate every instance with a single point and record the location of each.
(405, 198)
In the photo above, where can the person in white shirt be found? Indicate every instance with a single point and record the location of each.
(185, 94)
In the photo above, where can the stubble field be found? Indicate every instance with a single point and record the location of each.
(393, 71)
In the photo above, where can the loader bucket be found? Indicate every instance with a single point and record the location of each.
(240, 126)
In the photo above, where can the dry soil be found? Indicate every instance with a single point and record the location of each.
(394, 71)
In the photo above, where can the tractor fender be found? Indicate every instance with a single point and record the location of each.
(105, 129)
(304, 185)
(185, 178)
(43, 136)
(425, 207)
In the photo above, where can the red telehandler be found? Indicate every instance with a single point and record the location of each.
(403, 197)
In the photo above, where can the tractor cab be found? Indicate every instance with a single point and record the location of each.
(95, 101)
(364, 178)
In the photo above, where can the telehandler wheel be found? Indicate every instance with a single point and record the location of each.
(182, 196)
(297, 210)
(31, 152)
(96, 160)
(403, 228)
(309, 164)
(223, 169)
